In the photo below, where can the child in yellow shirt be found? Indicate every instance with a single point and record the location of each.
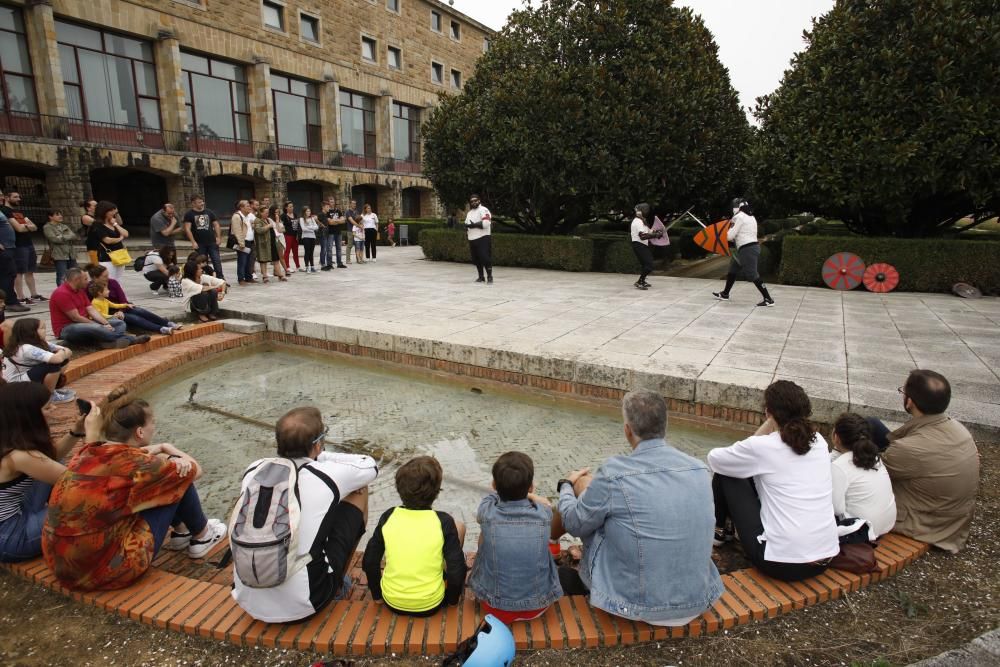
(134, 316)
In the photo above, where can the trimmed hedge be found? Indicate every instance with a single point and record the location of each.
(416, 228)
(564, 253)
(924, 265)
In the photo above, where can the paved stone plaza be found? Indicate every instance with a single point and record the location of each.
(848, 350)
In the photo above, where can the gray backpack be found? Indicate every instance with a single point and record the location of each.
(264, 525)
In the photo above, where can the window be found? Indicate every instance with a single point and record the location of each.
(392, 5)
(486, 44)
(405, 132)
(456, 30)
(368, 46)
(395, 58)
(309, 27)
(274, 15)
(17, 85)
(456, 79)
(218, 103)
(357, 120)
(437, 72)
(296, 112)
(435, 21)
(108, 78)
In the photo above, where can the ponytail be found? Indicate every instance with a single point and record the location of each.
(798, 434)
(855, 435)
(788, 404)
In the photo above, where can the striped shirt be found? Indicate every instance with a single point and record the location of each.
(12, 496)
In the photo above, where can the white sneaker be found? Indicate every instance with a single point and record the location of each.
(62, 396)
(291, 270)
(216, 531)
(177, 541)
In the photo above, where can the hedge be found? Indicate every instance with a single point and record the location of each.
(924, 265)
(564, 253)
(416, 228)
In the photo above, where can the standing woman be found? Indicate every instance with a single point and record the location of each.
(264, 243)
(370, 222)
(29, 466)
(309, 226)
(292, 232)
(776, 487)
(279, 238)
(641, 233)
(109, 236)
(87, 220)
(743, 234)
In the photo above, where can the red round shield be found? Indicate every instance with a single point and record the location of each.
(843, 271)
(881, 278)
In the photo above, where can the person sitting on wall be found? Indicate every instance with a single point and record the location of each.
(333, 496)
(934, 466)
(640, 561)
(75, 320)
(202, 293)
(29, 357)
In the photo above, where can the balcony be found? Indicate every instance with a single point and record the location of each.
(111, 135)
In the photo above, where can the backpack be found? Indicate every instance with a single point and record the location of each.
(264, 525)
(139, 263)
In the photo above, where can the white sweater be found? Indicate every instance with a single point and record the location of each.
(796, 495)
(863, 494)
(743, 229)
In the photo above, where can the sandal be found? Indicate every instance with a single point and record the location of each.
(212, 317)
(204, 319)
(283, 279)
(265, 280)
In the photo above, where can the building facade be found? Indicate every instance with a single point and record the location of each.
(146, 101)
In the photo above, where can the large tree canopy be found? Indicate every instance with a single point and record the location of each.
(581, 108)
(890, 119)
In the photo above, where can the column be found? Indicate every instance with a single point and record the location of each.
(262, 107)
(329, 116)
(169, 80)
(69, 185)
(40, 27)
(383, 127)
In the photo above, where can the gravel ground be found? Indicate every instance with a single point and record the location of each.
(938, 603)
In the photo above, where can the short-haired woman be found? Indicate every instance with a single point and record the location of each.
(29, 466)
(118, 500)
(861, 485)
(29, 357)
(777, 490)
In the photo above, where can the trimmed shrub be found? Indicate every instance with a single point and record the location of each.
(769, 227)
(615, 257)
(563, 253)
(924, 265)
(416, 227)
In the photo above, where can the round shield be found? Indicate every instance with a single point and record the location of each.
(843, 271)
(881, 278)
(966, 291)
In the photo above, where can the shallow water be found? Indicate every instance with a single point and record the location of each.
(403, 414)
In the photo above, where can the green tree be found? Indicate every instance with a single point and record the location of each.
(580, 109)
(890, 118)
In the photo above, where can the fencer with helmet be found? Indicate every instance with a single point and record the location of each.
(743, 235)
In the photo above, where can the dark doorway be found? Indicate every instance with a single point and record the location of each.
(30, 184)
(138, 194)
(223, 192)
(365, 194)
(411, 203)
(306, 193)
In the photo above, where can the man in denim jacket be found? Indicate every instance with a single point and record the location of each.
(646, 520)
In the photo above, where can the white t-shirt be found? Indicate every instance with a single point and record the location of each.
(639, 226)
(479, 214)
(370, 220)
(796, 495)
(291, 600)
(359, 233)
(863, 494)
(743, 229)
(16, 368)
(152, 262)
(250, 220)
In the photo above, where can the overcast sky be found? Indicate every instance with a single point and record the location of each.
(756, 38)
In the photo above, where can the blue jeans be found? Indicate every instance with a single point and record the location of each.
(62, 265)
(333, 239)
(244, 263)
(212, 252)
(187, 510)
(94, 332)
(21, 535)
(323, 240)
(140, 318)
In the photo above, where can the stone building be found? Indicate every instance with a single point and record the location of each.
(146, 101)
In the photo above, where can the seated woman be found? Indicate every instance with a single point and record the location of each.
(29, 466)
(115, 302)
(112, 509)
(861, 485)
(776, 488)
(28, 357)
(202, 293)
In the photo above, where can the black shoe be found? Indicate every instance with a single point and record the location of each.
(342, 266)
(722, 536)
(646, 285)
(721, 296)
(640, 285)
(480, 280)
(326, 268)
(766, 303)
(489, 279)
(17, 308)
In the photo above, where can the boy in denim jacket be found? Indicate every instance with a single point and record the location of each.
(514, 576)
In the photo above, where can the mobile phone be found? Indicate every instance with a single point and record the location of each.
(83, 406)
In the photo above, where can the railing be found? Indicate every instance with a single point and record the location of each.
(77, 131)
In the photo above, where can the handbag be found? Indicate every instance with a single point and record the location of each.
(118, 257)
(858, 557)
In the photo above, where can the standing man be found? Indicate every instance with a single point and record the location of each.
(323, 237)
(163, 226)
(353, 219)
(336, 226)
(8, 267)
(201, 226)
(743, 234)
(478, 222)
(238, 227)
(251, 237)
(25, 257)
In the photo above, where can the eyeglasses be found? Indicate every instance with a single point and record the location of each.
(320, 437)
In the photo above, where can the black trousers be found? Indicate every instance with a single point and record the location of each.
(8, 273)
(371, 236)
(645, 257)
(157, 279)
(309, 249)
(737, 499)
(206, 303)
(482, 254)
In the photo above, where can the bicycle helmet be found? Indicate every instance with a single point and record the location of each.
(491, 646)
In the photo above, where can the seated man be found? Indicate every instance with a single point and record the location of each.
(647, 522)
(333, 497)
(75, 320)
(934, 466)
